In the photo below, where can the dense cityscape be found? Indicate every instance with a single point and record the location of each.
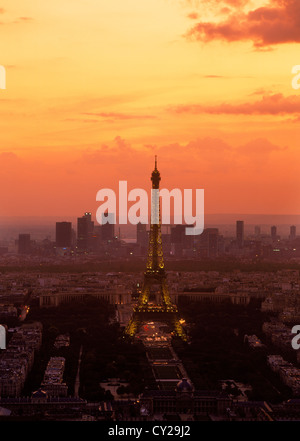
(211, 335)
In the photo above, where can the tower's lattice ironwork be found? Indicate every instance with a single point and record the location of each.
(154, 298)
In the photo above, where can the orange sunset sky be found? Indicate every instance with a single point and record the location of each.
(96, 88)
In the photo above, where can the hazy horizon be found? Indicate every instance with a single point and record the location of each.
(44, 226)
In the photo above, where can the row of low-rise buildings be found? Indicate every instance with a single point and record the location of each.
(7, 310)
(285, 304)
(278, 333)
(53, 382)
(119, 288)
(17, 359)
(279, 290)
(253, 341)
(289, 374)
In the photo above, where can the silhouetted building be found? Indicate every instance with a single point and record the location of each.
(180, 240)
(293, 232)
(142, 237)
(274, 232)
(257, 230)
(178, 234)
(108, 226)
(209, 243)
(240, 233)
(183, 399)
(85, 227)
(24, 244)
(63, 234)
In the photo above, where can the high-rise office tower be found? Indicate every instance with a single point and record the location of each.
(177, 239)
(141, 236)
(240, 233)
(24, 244)
(85, 227)
(293, 232)
(64, 234)
(108, 226)
(274, 232)
(208, 243)
(178, 234)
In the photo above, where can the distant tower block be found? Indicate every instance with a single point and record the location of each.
(108, 226)
(64, 234)
(85, 227)
(273, 232)
(154, 302)
(24, 244)
(141, 236)
(293, 232)
(240, 233)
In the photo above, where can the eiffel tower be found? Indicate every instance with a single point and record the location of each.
(154, 302)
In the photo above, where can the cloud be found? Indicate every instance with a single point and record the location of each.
(81, 120)
(205, 155)
(275, 23)
(25, 18)
(273, 104)
(259, 147)
(9, 161)
(193, 16)
(118, 116)
(249, 175)
(214, 76)
(8, 157)
(112, 153)
(212, 158)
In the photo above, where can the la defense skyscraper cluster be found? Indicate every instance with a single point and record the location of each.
(154, 302)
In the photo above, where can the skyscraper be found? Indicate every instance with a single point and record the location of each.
(63, 234)
(274, 232)
(24, 244)
(85, 227)
(208, 243)
(108, 226)
(240, 233)
(178, 234)
(142, 236)
(293, 232)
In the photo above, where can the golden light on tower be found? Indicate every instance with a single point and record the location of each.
(155, 273)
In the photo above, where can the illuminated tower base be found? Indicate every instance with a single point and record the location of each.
(154, 303)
